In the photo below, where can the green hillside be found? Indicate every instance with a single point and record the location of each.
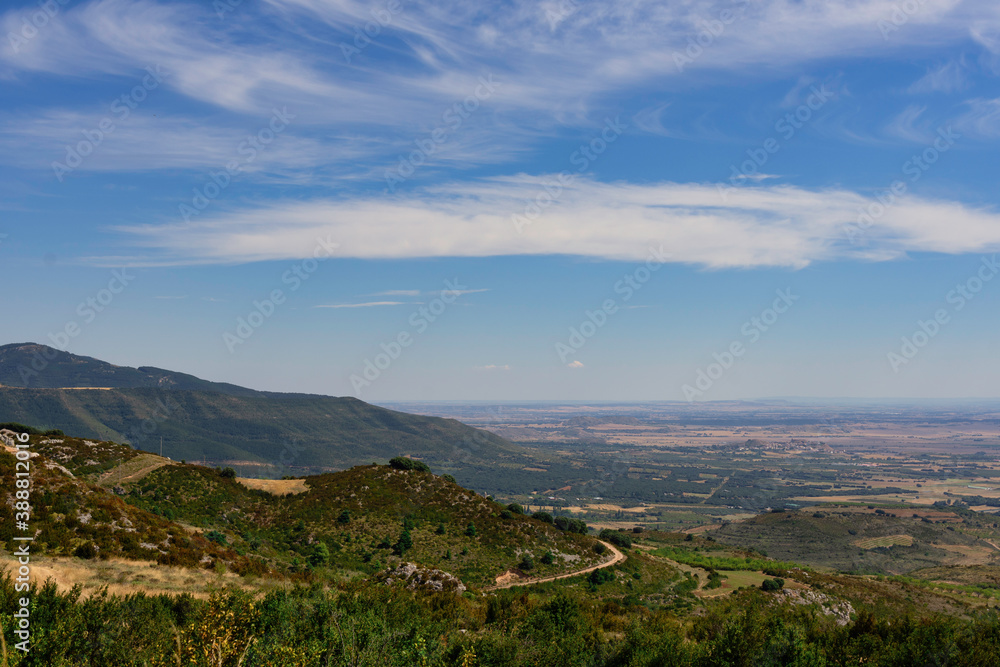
(262, 434)
(350, 521)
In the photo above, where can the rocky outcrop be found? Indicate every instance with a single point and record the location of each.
(414, 577)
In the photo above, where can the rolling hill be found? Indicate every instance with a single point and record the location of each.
(105, 499)
(262, 433)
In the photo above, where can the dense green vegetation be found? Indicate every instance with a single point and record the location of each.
(361, 624)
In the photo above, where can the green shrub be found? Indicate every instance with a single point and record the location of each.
(86, 550)
(543, 516)
(320, 555)
(772, 584)
(405, 463)
(618, 539)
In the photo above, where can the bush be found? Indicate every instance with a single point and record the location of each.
(515, 508)
(404, 544)
(548, 558)
(86, 550)
(527, 563)
(599, 548)
(216, 536)
(637, 530)
(602, 576)
(345, 517)
(227, 473)
(320, 555)
(544, 517)
(618, 539)
(506, 514)
(470, 531)
(404, 463)
(772, 584)
(571, 525)
(449, 478)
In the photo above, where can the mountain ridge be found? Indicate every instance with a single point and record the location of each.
(202, 420)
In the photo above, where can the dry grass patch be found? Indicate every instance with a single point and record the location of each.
(887, 541)
(277, 487)
(125, 577)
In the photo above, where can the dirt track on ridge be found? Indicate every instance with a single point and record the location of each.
(617, 557)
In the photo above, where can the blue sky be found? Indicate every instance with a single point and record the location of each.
(501, 201)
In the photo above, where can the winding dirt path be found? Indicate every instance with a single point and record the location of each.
(616, 557)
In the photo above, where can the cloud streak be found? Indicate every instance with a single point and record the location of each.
(775, 226)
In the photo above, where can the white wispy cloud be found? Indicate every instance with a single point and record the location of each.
(493, 367)
(752, 226)
(575, 364)
(981, 119)
(557, 64)
(368, 304)
(950, 77)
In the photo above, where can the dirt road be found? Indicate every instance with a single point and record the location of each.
(514, 579)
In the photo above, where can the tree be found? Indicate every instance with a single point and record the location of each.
(527, 563)
(405, 463)
(544, 517)
(404, 544)
(515, 508)
(772, 584)
(548, 558)
(345, 517)
(228, 473)
(320, 555)
(440, 529)
(470, 531)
